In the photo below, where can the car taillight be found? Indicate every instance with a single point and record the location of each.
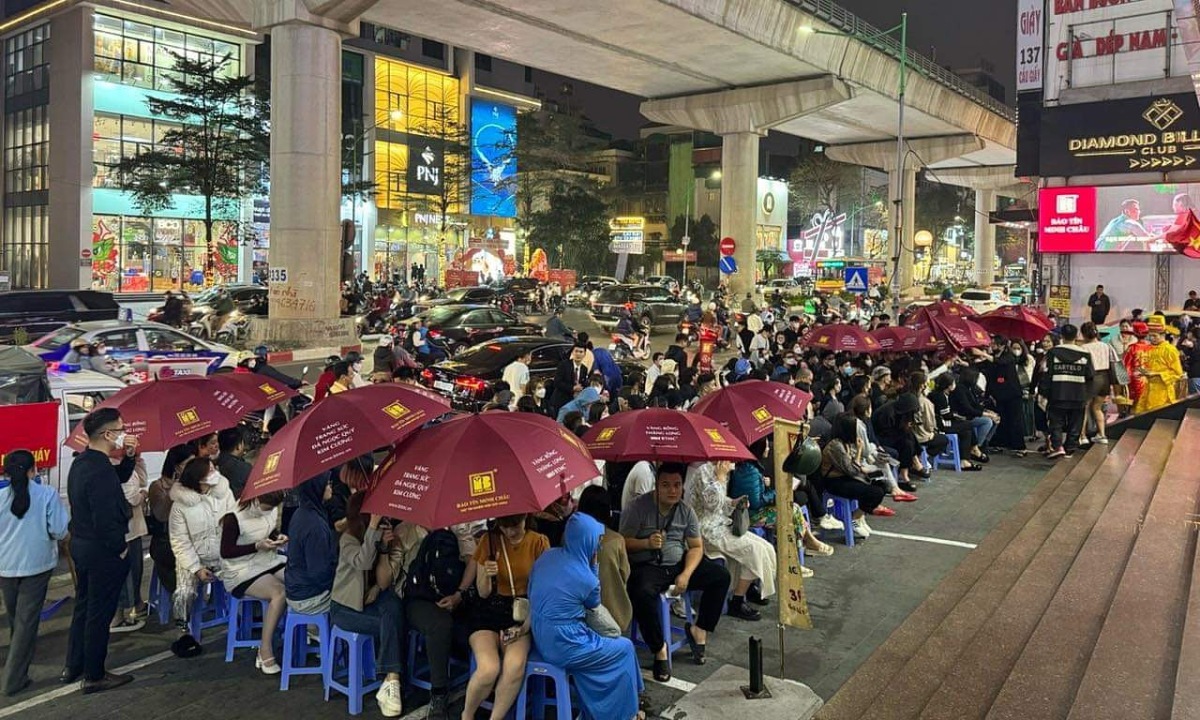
(435, 334)
(473, 385)
(427, 375)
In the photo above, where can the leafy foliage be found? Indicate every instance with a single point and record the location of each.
(573, 229)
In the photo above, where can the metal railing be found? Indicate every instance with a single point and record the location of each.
(845, 21)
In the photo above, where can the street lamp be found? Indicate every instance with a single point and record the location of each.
(873, 39)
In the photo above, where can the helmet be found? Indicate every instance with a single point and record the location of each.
(804, 459)
(261, 351)
(353, 356)
(332, 360)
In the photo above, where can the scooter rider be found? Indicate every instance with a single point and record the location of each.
(556, 328)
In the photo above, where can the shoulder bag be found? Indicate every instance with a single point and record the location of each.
(520, 607)
(601, 621)
(740, 518)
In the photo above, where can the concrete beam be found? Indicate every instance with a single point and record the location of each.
(920, 152)
(750, 109)
(1000, 179)
(341, 16)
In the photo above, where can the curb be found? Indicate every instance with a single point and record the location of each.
(291, 356)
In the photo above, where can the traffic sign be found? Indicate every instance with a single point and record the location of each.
(727, 264)
(728, 246)
(856, 279)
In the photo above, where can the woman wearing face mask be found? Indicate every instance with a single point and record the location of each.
(251, 565)
(535, 389)
(827, 394)
(1025, 363)
(1004, 387)
(32, 521)
(200, 498)
(355, 360)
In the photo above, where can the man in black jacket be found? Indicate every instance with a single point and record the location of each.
(231, 462)
(1065, 384)
(1100, 304)
(570, 377)
(99, 518)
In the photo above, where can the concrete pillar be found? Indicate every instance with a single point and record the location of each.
(71, 114)
(739, 200)
(905, 250)
(985, 238)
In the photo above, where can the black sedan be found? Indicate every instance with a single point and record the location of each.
(457, 327)
(650, 305)
(480, 295)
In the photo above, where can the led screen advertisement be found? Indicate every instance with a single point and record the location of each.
(493, 160)
(1119, 219)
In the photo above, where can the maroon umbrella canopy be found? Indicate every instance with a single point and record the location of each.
(960, 333)
(940, 309)
(749, 408)
(841, 337)
(254, 391)
(663, 435)
(1016, 322)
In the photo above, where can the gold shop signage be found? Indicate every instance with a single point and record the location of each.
(1146, 134)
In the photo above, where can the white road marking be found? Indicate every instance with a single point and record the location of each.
(923, 538)
(674, 683)
(74, 687)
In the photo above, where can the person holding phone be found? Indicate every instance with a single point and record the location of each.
(499, 629)
(251, 565)
(200, 498)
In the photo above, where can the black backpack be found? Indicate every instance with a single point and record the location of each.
(437, 569)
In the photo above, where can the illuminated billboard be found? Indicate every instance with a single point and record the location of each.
(493, 159)
(1119, 219)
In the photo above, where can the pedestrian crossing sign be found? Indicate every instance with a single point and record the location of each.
(856, 279)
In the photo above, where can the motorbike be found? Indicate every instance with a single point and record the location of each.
(624, 347)
(255, 424)
(233, 329)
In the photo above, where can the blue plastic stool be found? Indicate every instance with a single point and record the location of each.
(243, 622)
(544, 676)
(418, 665)
(160, 598)
(355, 654)
(843, 510)
(950, 457)
(925, 462)
(297, 649)
(675, 637)
(210, 609)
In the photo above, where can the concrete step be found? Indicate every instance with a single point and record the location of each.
(1132, 669)
(873, 676)
(1044, 679)
(979, 672)
(1186, 705)
(911, 688)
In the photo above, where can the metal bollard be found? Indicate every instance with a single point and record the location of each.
(757, 688)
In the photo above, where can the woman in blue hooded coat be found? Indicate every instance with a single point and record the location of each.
(581, 403)
(607, 366)
(312, 549)
(564, 584)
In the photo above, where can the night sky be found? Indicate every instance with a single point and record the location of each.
(957, 33)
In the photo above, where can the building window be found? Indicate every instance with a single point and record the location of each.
(483, 62)
(26, 150)
(433, 49)
(381, 35)
(116, 137)
(141, 254)
(142, 55)
(26, 247)
(27, 62)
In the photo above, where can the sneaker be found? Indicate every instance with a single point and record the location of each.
(1054, 454)
(862, 531)
(1084, 442)
(389, 699)
(829, 522)
(805, 572)
(1100, 440)
(126, 625)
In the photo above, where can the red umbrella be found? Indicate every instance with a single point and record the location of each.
(841, 337)
(940, 309)
(254, 391)
(960, 333)
(165, 413)
(749, 408)
(663, 435)
(1016, 321)
(341, 427)
(476, 467)
(892, 337)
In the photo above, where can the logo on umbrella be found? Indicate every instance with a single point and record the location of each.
(188, 417)
(396, 411)
(267, 389)
(823, 339)
(715, 435)
(762, 414)
(483, 483)
(606, 434)
(272, 463)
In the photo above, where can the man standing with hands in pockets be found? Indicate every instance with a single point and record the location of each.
(99, 518)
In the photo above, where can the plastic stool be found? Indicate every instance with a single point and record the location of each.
(210, 608)
(418, 665)
(296, 652)
(160, 598)
(357, 658)
(543, 674)
(675, 637)
(843, 509)
(242, 624)
(925, 462)
(950, 457)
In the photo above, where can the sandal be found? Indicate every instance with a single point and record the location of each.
(696, 648)
(882, 511)
(662, 671)
(821, 549)
(971, 467)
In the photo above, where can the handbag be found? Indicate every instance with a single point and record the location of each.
(600, 620)
(520, 605)
(1120, 373)
(741, 519)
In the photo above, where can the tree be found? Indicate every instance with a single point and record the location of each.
(218, 150)
(454, 139)
(818, 184)
(552, 152)
(942, 207)
(703, 233)
(770, 261)
(573, 228)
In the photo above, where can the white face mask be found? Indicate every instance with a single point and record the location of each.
(119, 439)
(540, 392)
(1018, 352)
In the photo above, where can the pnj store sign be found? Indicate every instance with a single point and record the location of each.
(425, 165)
(1121, 136)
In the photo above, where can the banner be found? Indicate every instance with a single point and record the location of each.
(32, 427)
(493, 159)
(793, 604)
(1030, 21)
(426, 163)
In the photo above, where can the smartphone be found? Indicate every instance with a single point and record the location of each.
(274, 535)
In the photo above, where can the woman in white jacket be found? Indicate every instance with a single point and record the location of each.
(201, 497)
(251, 565)
(131, 611)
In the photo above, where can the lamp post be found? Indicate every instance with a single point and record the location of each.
(897, 242)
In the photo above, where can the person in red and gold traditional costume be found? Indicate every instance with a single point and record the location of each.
(1159, 368)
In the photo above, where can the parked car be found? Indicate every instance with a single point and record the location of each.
(458, 327)
(982, 301)
(651, 305)
(589, 286)
(41, 311)
(666, 281)
(144, 345)
(781, 284)
(479, 295)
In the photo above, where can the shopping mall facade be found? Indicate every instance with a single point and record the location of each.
(82, 72)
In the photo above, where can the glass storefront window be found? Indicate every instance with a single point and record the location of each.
(137, 254)
(142, 55)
